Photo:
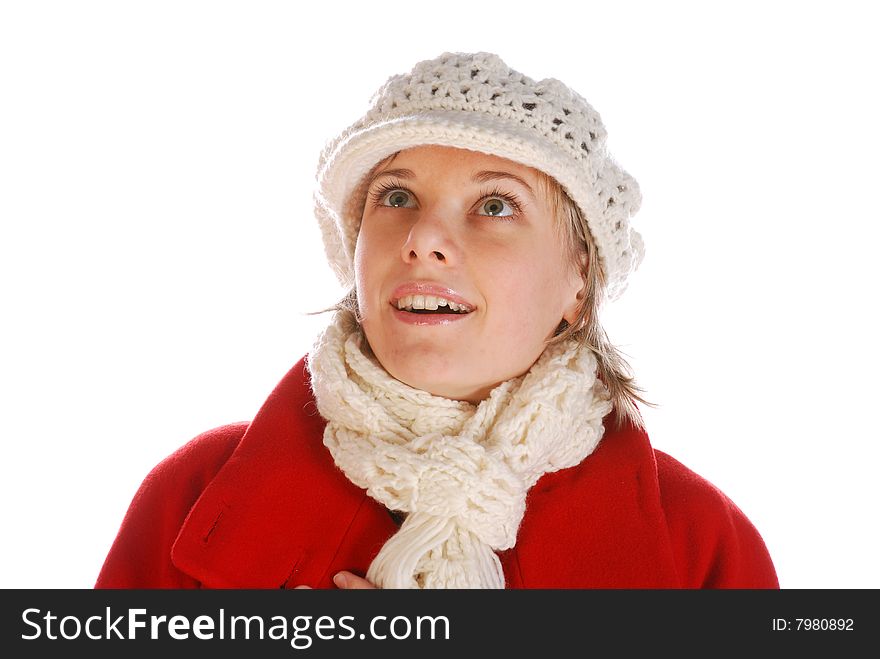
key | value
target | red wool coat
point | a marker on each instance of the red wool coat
(262, 505)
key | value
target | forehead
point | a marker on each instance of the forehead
(446, 157)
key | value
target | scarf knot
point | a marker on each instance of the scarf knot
(462, 471)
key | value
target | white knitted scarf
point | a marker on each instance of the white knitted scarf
(460, 470)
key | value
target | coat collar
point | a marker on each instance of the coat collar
(279, 509)
(280, 477)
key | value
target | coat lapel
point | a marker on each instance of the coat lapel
(278, 511)
(600, 524)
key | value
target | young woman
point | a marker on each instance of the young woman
(463, 421)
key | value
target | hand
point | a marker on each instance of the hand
(347, 581)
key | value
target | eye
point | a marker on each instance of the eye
(495, 206)
(391, 195)
(495, 203)
(397, 198)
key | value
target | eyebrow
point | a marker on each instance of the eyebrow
(483, 176)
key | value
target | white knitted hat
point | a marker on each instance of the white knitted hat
(475, 101)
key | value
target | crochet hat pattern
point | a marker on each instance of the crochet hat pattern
(475, 101)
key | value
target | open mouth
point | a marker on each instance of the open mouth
(431, 305)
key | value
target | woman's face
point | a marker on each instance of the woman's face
(442, 222)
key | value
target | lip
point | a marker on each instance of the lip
(428, 288)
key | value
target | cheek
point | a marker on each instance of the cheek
(361, 256)
(367, 264)
(528, 295)
(519, 299)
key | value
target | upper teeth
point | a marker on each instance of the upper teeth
(429, 302)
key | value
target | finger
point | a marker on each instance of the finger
(303, 586)
(348, 581)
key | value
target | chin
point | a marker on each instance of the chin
(430, 375)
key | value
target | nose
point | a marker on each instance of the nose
(428, 241)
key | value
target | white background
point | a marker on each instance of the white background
(158, 250)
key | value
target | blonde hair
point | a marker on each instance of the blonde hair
(586, 329)
(571, 226)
